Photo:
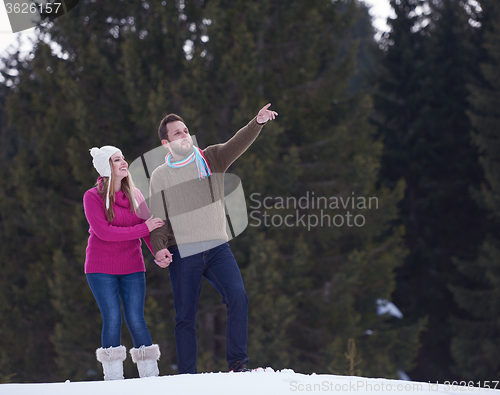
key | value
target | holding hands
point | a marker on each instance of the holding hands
(163, 258)
(265, 115)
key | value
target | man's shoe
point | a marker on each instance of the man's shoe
(240, 366)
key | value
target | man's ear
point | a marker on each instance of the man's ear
(165, 143)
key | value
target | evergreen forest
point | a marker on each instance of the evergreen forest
(386, 141)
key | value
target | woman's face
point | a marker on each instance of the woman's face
(119, 166)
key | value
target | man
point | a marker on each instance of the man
(188, 193)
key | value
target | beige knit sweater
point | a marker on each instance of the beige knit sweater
(193, 209)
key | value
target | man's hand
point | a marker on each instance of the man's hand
(265, 115)
(163, 258)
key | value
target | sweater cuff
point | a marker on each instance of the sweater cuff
(254, 120)
(146, 229)
(157, 244)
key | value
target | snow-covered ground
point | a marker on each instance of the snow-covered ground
(260, 382)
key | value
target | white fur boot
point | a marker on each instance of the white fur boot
(146, 359)
(112, 361)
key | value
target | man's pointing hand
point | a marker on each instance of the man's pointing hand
(265, 115)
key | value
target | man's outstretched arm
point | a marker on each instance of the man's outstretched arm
(225, 154)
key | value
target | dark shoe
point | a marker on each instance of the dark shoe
(240, 366)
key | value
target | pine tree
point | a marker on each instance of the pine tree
(33, 213)
(475, 344)
(12, 278)
(422, 104)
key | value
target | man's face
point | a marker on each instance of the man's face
(180, 142)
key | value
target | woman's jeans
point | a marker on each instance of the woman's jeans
(219, 267)
(129, 289)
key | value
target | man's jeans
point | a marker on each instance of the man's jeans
(130, 289)
(219, 267)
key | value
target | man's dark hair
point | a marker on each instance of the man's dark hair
(162, 130)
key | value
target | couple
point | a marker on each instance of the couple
(114, 264)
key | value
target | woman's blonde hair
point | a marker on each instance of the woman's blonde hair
(127, 187)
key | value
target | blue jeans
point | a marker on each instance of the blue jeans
(129, 289)
(219, 267)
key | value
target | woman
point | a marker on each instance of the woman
(114, 264)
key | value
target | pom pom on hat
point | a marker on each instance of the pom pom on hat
(101, 163)
(101, 159)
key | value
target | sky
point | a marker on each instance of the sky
(8, 40)
(379, 9)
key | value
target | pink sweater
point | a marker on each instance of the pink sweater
(115, 248)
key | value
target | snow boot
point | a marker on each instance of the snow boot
(146, 358)
(112, 361)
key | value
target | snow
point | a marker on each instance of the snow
(386, 307)
(258, 382)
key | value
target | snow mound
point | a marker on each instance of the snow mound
(260, 381)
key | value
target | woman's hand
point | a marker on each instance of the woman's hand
(154, 223)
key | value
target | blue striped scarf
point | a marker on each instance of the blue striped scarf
(197, 155)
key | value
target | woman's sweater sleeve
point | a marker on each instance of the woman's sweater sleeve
(93, 207)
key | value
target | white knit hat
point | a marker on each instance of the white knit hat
(101, 163)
